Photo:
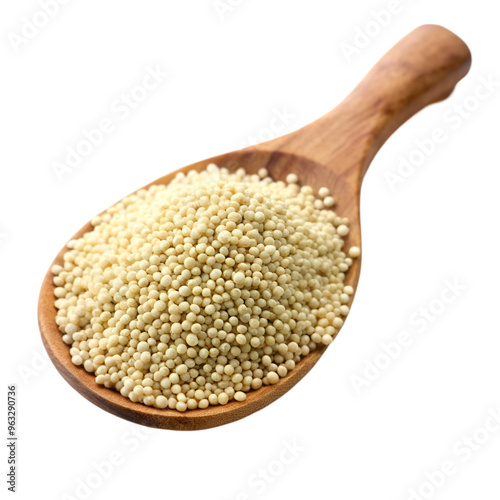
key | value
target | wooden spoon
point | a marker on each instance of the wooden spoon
(334, 151)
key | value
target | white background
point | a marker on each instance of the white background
(229, 71)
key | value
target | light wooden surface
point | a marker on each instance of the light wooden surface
(333, 151)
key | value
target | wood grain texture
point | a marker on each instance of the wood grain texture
(334, 151)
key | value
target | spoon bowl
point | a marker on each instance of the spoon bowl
(334, 151)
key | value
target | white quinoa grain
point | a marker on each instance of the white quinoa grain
(329, 201)
(323, 192)
(342, 230)
(354, 252)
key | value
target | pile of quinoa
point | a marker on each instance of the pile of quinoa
(194, 293)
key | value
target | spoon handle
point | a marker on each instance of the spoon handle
(421, 69)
